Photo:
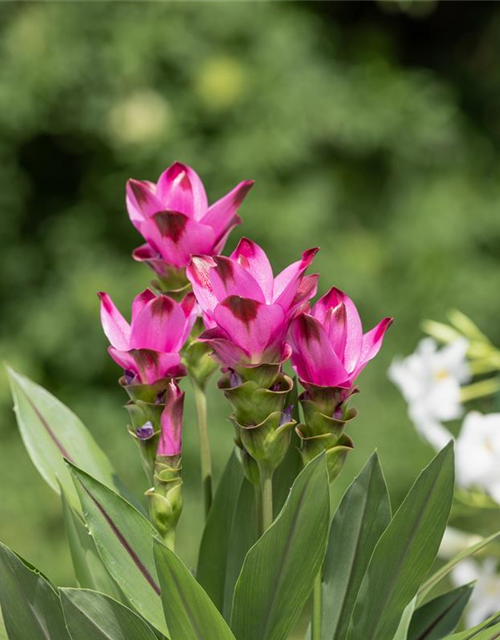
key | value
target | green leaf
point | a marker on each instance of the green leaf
(404, 623)
(3, 631)
(189, 612)
(95, 616)
(440, 616)
(443, 571)
(51, 432)
(286, 473)
(362, 517)
(212, 562)
(244, 535)
(124, 540)
(487, 630)
(30, 605)
(405, 552)
(279, 571)
(89, 569)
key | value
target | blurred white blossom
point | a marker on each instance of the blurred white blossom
(478, 453)
(454, 541)
(485, 598)
(429, 380)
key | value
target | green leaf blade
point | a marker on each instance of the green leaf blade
(212, 562)
(189, 612)
(279, 571)
(94, 616)
(362, 516)
(405, 552)
(30, 606)
(52, 433)
(440, 617)
(89, 569)
(124, 540)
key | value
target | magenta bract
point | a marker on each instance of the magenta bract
(246, 309)
(329, 348)
(148, 348)
(171, 421)
(174, 218)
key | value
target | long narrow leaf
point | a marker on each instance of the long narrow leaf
(360, 520)
(52, 433)
(212, 562)
(487, 630)
(244, 535)
(94, 616)
(404, 623)
(405, 552)
(31, 607)
(440, 616)
(279, 571)
(124, 540)
(89, 569)
(190, 613)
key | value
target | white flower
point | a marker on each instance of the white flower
(485, 598)
(430, 380)
(478, 453)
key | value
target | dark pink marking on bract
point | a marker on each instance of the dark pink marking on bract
(309, 328)
(244, 309)
(162, 306)
(140, 191)
(171, 224)
(224, 268)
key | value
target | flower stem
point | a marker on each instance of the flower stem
(205, 456)
(317, 604)
(266, 499)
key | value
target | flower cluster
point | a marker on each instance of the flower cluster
(252, 323)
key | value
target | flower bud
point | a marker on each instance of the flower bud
(166, 496)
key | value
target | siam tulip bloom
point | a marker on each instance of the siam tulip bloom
(430, 380)
(329, 348)
(174, 218)
(148, 348)
(486, 595)
(246, 309)
(478, 453)
(171, 421)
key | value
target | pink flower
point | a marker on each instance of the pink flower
(329, 348)
(171, 421)
(148, 348)
(174, 218)
(246, 309)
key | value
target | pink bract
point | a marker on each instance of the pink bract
(174, 218)
(329, 347)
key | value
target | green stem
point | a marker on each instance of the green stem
(205, 456)
(316, 616)
(266, 501)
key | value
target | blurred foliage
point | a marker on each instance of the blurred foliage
(371, 130)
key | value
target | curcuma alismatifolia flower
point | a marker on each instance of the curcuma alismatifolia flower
(148, 348)
(246, 309)
(247, 312)
(329, 352)
(174, 218)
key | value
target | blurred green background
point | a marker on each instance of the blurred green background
(371, 130)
